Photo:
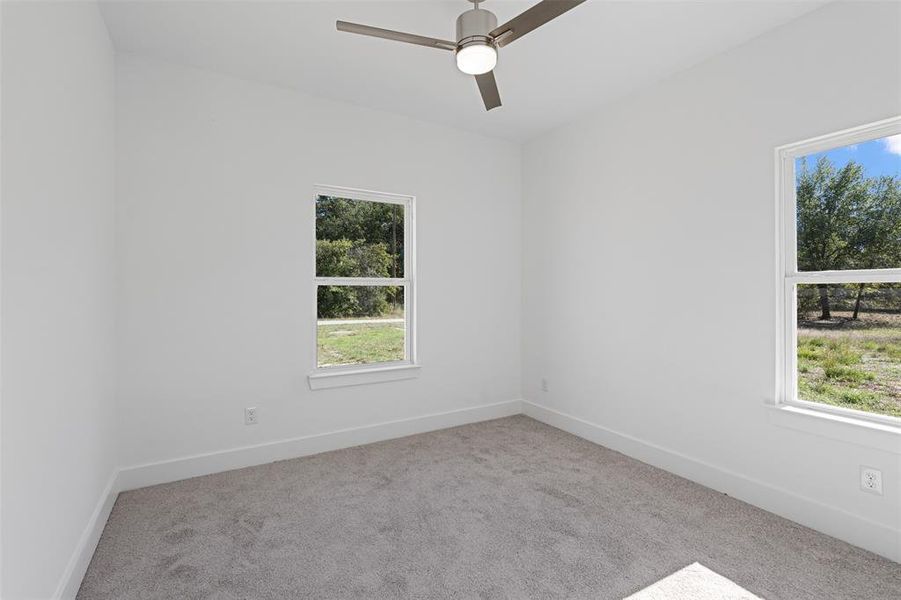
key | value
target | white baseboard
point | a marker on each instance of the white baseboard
(87, 543)
(248, 456)
(854, 529)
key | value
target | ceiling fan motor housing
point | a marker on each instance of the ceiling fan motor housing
(473, 27)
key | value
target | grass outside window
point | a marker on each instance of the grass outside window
(852, 361)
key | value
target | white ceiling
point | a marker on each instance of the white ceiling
(599, 51)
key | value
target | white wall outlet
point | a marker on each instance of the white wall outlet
(871, 480)
(250, 416)
(544, 386)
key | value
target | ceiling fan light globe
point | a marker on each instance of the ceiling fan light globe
(476, 59)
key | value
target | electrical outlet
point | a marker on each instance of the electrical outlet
(871, 480)
(250, 416)
(544, 387)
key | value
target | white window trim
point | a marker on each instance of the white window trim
(347, 375)
(787, 276)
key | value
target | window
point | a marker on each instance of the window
(839, 278)
(364, 287)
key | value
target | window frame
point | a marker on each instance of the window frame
(788, 276)
(342, 375)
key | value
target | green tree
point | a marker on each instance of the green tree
(372, 222)
(846, 221)
(367, 225)
(347, 258)
(879, 236)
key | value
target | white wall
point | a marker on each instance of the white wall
(216, 178)
(649, 257)
(57, 287)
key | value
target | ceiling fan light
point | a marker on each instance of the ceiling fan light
(476, 59)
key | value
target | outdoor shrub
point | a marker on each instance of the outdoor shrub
(842, 372)
(347, 258)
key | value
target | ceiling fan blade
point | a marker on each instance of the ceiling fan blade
(397, 36)
(532, 18)
(488, 88)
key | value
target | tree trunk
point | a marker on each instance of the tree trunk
(824, 302)
(857, 302)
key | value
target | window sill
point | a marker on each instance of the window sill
(839, 427)
(362, 376)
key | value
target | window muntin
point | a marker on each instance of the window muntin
(364, 283)
(839, 312)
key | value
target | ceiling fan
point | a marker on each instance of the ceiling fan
(478, 38)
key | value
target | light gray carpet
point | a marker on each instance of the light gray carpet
(504, 509)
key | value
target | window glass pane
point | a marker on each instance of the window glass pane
(849, 346)
(359, 325)
(357, 238)
(849, 207)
